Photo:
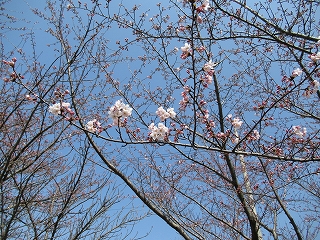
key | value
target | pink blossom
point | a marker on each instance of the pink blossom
(199, 19)
(235, 140)
(205, 5)
(315, 85)
(28, 97)
(201, 49)
(184, 55)
(311, 89)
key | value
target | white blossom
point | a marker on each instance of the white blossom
(205, 5)
(158, 133)
(299, 131)
(55, 109)
(93, 125)
(315, 57)
(315, 85)
(186, 47)
(296, 72)
(119, 110)
(256, 135)
(236, 123)
(163, 114)
(209, 66)
(171, 112)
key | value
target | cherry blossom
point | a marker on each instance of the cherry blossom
(28, 97)
(206, 79)
(163, 114)
(209, 66)
(57, 108)
(186, 47)
(158, 133)
(256, 135)
(300, 132)
(311, 89)
(199, 19)
(315, 85)
(296, 72)
(93, 126)
(186, 51)
(119, 110)
(315, 57)
(171, 112)
(236, 123)
(10, 63)
(235, 140)
(185, 98)
(204, 6)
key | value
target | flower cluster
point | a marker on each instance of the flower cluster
(94, 126)
(236, 123)
(185, 97)
(204, 6)
(299, 131)
(315, 57)
(311, 89)
(253, 136)
(206, 80)
(186, 51)
(163, 114)
(186, 47)
(208, 68)
(158, 133)
(296, 72)
(13, 76)
(10, 63)
(119, 110)
(58, 108)
(256, 135)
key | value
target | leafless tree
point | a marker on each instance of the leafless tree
(208, 110)
(51, 185)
